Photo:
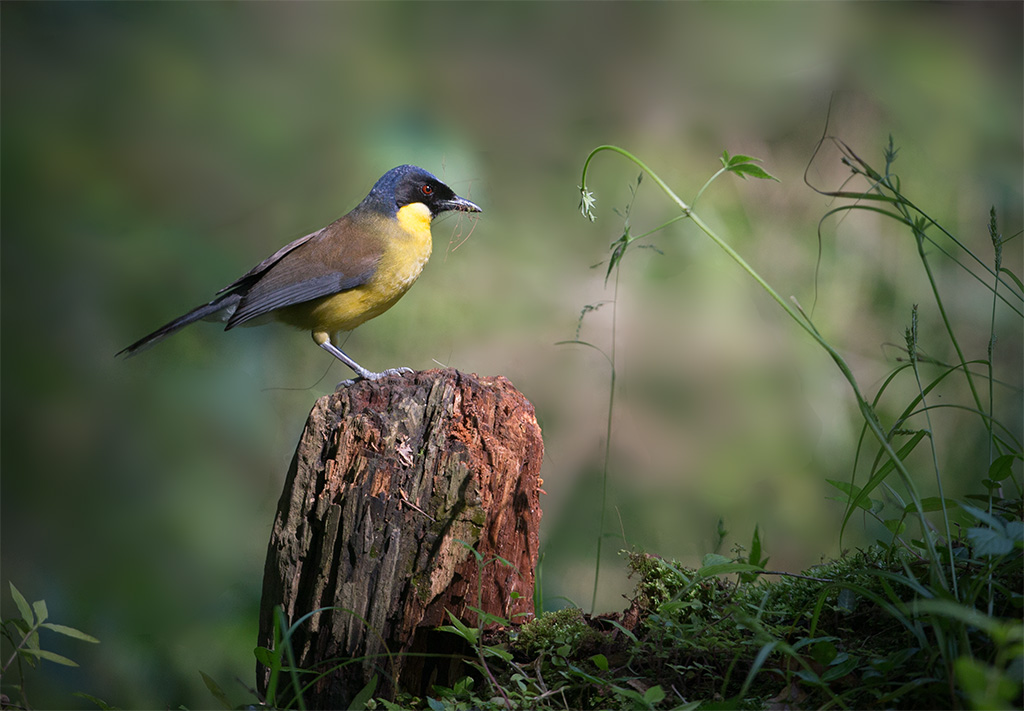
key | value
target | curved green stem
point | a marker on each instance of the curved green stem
(707, 183)
(867, 411)
(640, 164)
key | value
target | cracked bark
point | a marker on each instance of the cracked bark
(390, 482)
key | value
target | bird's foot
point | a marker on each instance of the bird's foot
(364, 374)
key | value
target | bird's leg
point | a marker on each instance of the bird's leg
(324, 341)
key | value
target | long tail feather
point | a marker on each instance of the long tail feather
(225, 303)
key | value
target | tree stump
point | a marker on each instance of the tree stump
(391, 482)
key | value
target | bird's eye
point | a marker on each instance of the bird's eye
(427, 189)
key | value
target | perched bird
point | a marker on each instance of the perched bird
(333, 280)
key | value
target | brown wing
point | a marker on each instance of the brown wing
(341, 256)
(270, 261)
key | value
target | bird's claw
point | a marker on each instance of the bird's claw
(370, 375)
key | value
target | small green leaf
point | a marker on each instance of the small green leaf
(623, 630)
(754, 171)
(32, 639)
(486, 618)
(1002, 467)
(841, 668)
(755, 556)
(469, 635)
(1020, 285)
(39, 607)
(989, 541)
(805, 641)
(721, 530)
(729, 568)
(459, 628)
(70, 632)
(57, 658)
(360, 700)
(930, 503)
(824, 652)
(215, 689)
(96, 701)
(895, 525)
(810, 677)
(1015, 531)
(20, 625)
(847, 601)
(984, 517)
(600, 661)
(618, 248)
(740, 159)
(576, 671)
(743, 166)
(502, 654)
(471, 548)
(714, 559)
(634, 696)
(23, 606)
(265, 657)
(463, 686)
(655, 695)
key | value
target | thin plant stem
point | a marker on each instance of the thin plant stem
(607, 443)
(919, 234)
(867, 412)
(912, 352)
(707, 183)
(995, 274)
(997, 247)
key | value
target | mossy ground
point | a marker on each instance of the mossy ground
(840, 635)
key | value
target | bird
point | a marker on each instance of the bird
(341, 276)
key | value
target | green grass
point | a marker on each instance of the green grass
(857, 632)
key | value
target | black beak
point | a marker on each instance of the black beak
(458, 204)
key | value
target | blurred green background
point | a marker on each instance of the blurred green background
(151, 153)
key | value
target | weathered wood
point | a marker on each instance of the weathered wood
(387, 479)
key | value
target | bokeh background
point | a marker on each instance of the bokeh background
(151, 153)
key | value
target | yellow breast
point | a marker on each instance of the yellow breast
(407, 249)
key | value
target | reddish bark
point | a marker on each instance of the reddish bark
(388, 477)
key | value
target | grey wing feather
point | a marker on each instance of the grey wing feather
(264, 297)
(217, 308)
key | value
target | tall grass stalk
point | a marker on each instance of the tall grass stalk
(800, 317)
(912, 344)
(607, 445)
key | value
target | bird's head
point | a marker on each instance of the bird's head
(407, 185)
